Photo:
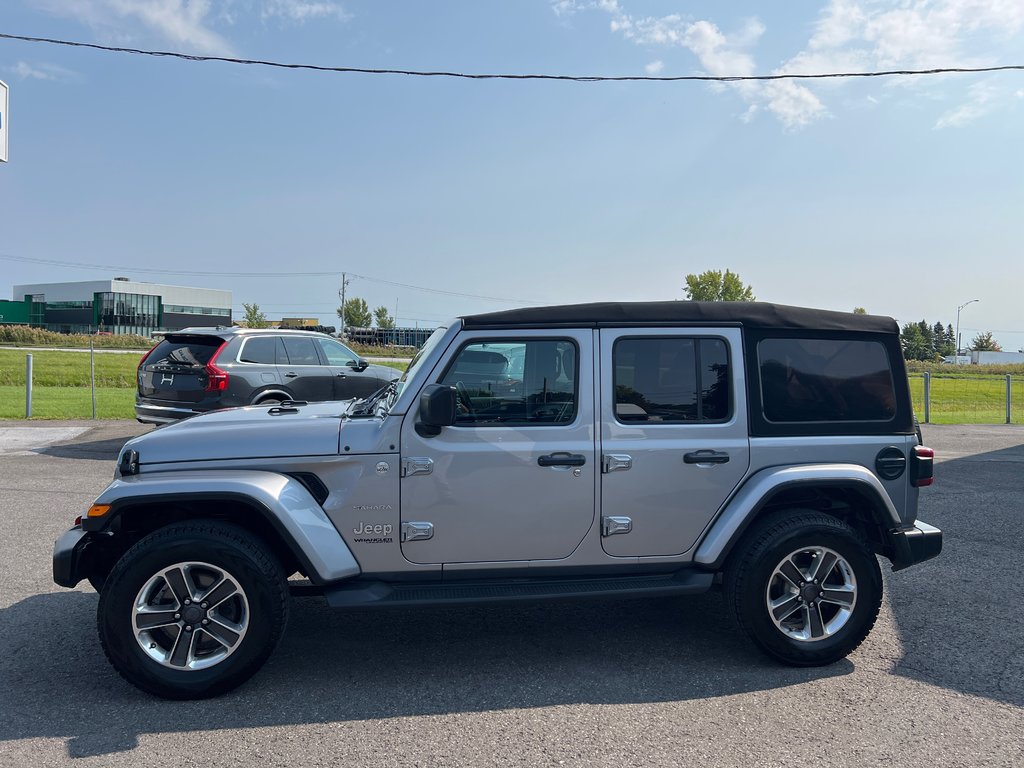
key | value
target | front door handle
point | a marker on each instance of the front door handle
(706, 457)
(562, 459)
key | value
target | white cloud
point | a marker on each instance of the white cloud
(848, 36)
(27, 71)
(188, 24)
(181, 22)
(303, 10)
(655, 67)
(982, 99)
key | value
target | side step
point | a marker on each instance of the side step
(367, 594)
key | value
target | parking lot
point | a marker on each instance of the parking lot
(939, 682)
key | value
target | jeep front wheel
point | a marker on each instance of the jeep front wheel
(805, 587)
(193, 610)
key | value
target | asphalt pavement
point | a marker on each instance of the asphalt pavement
(939, 682)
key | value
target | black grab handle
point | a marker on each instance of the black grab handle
(562, 459)
(706, 457)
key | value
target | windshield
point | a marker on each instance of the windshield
(416, 363)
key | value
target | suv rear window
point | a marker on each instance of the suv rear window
(671, 380)
(191, 351)
(809, 380)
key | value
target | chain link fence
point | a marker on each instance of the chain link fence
(66, 385)
(967, 399)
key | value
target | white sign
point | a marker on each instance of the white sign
(3, 122)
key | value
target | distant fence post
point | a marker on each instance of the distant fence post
(927, 397)
(92, 375)
(28, 386)
(1007, 398)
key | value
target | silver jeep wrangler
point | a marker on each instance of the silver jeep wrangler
(601, 450)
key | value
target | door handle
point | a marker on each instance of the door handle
(706, 457)
(562, 459)
(290, 375)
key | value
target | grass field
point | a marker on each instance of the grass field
(60, 384)
(61, 389)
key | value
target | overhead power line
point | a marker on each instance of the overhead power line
(515, 76)
(123, 269)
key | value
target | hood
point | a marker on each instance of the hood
(245, 433)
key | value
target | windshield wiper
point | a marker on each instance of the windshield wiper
(367, 406)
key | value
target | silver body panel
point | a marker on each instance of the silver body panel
(295, 510)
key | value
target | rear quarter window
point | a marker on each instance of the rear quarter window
(825, 380)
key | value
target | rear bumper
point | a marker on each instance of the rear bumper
(913, 546)
(71, 557)
(162, 414)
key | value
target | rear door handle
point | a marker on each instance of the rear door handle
(562, 459)
(706, 457)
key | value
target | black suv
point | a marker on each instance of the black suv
(203, 369)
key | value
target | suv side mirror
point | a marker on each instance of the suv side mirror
(358, 365)
(437, 409)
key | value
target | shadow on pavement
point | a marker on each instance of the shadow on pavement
(99, 450)
(334, 666)
(959, 616)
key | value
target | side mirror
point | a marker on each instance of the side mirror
(358, 365)
(437, 409)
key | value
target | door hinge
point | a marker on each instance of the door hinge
(417, 531)
(616, 462)
(417, 465)
(615, 524)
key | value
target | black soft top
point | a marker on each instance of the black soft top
(750, 314)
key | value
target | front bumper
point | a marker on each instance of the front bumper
(72, 557)
(915, 545)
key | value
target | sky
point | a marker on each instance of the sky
(901, 195)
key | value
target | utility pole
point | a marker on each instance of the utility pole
(344, 282)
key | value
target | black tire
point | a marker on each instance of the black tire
(259, 605)
(751, 580)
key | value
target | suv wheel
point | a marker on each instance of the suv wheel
(805, 587)
(193, 610)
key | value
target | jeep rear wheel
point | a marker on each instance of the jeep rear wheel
(805, 587)
(193, 610)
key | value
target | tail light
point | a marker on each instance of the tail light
(151, 350)
(922, 467)
(216, 378)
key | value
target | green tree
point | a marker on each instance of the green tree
(859, 311)
(355, 314)
(915, 345)
(254, 318)
(984, 342)
(943, 345)
(714, 286)
(383, 318)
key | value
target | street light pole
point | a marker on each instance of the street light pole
(956, 355)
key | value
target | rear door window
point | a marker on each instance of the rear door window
(821, 380)
(301, 350)
(671, 380)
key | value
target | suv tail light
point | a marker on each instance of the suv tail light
(217, 378)
(922, 467)
(143, 360)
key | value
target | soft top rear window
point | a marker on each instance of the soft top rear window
(825, 380)
(191, 351)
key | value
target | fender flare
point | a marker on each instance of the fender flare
(745, 506)
(282, 501)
